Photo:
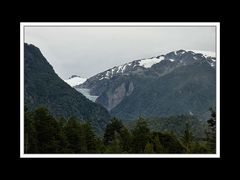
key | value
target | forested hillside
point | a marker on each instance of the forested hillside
(43, 87)
(45, 134)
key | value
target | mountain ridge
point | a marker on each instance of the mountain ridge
(149, 62)
(118, 86)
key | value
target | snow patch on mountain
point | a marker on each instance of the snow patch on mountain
(75, 80)
(204, 53)
(212, 64)
(147, 63)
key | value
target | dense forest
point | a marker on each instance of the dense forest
(43, 133)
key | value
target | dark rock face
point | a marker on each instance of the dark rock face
(43, 87)
(73, 76)
(177, 83)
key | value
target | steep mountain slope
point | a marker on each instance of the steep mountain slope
(188, 89)
(43, 87)
(180, 82)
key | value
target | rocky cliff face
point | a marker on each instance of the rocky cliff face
(111, 98)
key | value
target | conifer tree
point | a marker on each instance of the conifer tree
(158, 147)
(114, 126)
(73, 134)
(187, 139)
(61, 136)
(114, 147)
(211, 133)
(148, 148)
(141, 135)
(125, 140)
(89, 138)
(30, 139)
(46, 131)
(100, 148)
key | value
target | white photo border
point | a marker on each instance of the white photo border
(122, 24)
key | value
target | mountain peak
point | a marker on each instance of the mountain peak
(75, 80)
(204, 53)
(179, 57)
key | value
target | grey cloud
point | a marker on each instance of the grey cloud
(86, 51)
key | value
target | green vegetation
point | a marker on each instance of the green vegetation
(43, 133)
(43, 87)
(175, 124)
(211, 132)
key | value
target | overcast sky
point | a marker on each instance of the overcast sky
(86, 51)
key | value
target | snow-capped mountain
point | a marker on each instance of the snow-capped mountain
(176, 57)
(75, 80)
(178, 82)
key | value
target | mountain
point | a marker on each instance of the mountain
(180, 82)
(75, 80)
(43, 87)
